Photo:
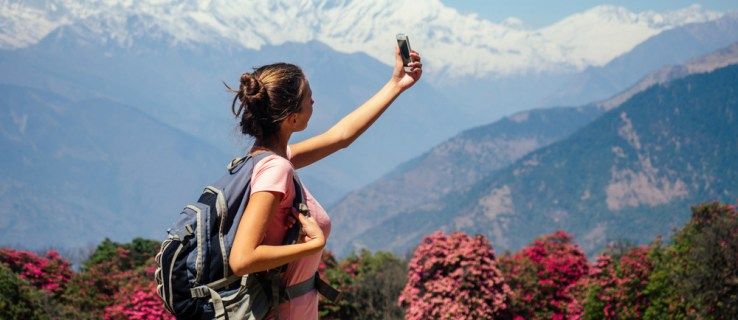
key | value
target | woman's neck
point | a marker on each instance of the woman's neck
(277, 145)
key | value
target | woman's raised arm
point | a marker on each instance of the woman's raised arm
(350, 127)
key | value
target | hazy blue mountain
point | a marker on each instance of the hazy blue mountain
(181, 86)
(671, 47)
(456, 164)
(450, 167)
(74, 172)
(631, 174)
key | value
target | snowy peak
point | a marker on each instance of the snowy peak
(453, 44)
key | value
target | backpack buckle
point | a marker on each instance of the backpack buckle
(303, 209)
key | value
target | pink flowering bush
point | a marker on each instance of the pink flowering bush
(117, 282)
(617, 286)
(548, 278)
(454, 277)
(49, 273)
(137, 302)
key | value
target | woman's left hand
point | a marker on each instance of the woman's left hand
(406, 79)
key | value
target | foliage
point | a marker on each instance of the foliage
(548, 278)
(18, 298)
(49, 273)
(116, 279)
(139, 252)
(137, 298)
(617, 284)
(449, 277)
(454, 276)
(370, 284)
(697, 275)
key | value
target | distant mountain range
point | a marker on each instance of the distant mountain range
(168, 58)
(671, 47)
(77, 171)
(457, 45)
(163, 61)
(466, 183)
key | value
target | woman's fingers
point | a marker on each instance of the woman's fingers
(414, 55)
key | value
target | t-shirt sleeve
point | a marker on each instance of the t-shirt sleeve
(273, 173)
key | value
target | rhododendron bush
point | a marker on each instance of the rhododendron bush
(450, 276)
(49, 273)
(548, 278)
(454, 277)
(617, 285)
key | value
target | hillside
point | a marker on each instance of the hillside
(74, 172)
(452, 166)
(626, 176)
(182, 87)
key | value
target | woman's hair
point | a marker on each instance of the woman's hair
(266, 97)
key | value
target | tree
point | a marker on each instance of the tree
(617, 285)
(454, 276)
(18, 298)
(548, 278)
(697, 275)
(370, 285)
(49, 273)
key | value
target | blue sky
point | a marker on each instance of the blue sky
(539, 13)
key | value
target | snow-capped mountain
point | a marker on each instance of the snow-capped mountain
(454, 44)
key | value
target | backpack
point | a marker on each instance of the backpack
(193, 276)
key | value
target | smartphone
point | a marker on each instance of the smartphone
(404, 43)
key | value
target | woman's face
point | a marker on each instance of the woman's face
(306, 109)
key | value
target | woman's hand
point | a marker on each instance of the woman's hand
(406, 79)
(311, 232)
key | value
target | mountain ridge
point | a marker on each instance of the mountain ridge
(356, 26)
(639, 167)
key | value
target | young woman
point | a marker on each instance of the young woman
(276, 101)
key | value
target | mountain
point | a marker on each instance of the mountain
(181, 86)
(701, 64)
(450, 167)
(74, 172)
(456, 44)
(629, 175)
(671, 47)
(456, 164)
(167, 58)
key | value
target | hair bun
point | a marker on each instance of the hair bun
(251, 87)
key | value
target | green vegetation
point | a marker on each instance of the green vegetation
(694, 276)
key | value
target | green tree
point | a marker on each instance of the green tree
(697, 275)
(19, 299)
(370, 285)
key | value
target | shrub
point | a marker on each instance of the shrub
(370, 285)
(617, 285)
(18, 298)
(49, 273)
(697, 275)
(548, 278)
(454, 276)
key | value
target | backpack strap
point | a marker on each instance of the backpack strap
(315, 282)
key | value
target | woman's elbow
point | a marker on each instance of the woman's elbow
(240, 264)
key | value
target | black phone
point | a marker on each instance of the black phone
(404, 43)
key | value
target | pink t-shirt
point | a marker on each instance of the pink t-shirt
(274, 173)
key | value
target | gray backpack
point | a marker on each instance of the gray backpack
(193, 277)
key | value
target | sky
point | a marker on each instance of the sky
(540, 13)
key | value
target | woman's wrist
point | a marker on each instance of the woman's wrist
(393, 85)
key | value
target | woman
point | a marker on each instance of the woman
(276, 101)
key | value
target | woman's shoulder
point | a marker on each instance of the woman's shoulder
(273, 162)
(272, 173)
